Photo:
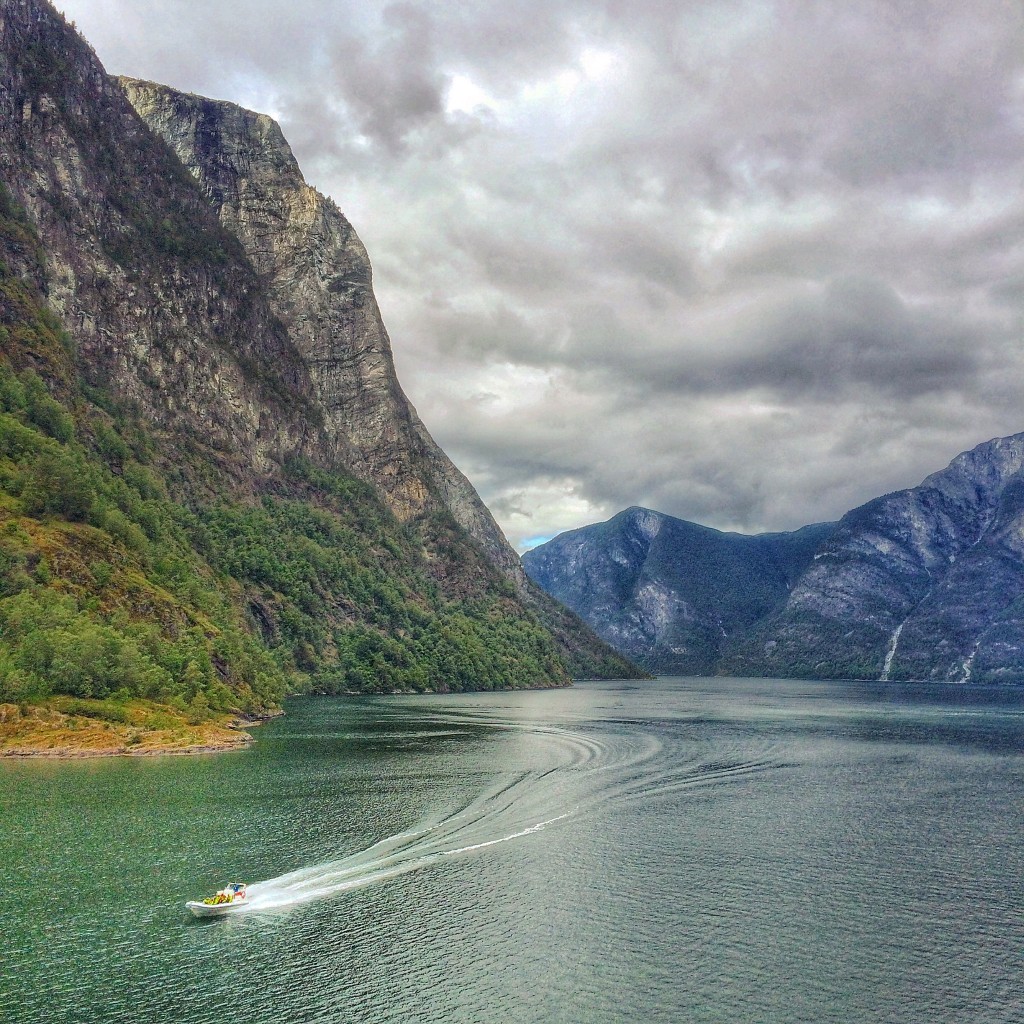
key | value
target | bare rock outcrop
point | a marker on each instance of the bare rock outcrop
(157, 296)
(318, 278)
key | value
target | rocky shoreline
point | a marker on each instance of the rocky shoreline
(50, 732)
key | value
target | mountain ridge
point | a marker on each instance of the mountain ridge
(922, 583)
(942, 563)
(652, 590)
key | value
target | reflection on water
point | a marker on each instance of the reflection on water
(685, 850)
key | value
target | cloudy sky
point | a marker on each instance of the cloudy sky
(747, 263)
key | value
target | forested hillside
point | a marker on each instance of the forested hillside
(185, 515)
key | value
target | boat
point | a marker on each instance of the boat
(232, 898)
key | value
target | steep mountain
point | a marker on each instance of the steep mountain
(925, 583)
(317, 278)
(668, 593)
(212, 487)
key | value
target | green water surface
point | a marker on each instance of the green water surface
(683, 850)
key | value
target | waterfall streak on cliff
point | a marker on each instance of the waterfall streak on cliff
(891, 653)
(968, 665)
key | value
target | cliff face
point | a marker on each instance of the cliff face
(247, 319)
(158, 297)
(318, 280)
(670, 594)
(208, 469)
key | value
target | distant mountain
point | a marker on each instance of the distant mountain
(668, 593)
(924, 583)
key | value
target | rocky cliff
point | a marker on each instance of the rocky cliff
(158, 297)
(249, 304)
(212, 488)
(925, 583)
(670, 594)
(317, 277)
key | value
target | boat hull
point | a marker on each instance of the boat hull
(200, 909)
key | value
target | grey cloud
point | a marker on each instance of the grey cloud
(392, 84)
(497, 333)
(846, 335)
(640, 249)
(508, 42)
(828, 95)
(856, 333)
(524, 263)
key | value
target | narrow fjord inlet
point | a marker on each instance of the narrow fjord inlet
(686, 850)
(706, 708)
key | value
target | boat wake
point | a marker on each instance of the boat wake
(589, 772)
(396, 855)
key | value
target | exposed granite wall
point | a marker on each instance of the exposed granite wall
(318, 279)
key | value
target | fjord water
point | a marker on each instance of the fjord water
(682, 850)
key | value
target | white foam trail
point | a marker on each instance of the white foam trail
(353, 873)
(411, 850)
(504, 839)
(517, 807)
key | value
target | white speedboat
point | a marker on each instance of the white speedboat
(229, 900)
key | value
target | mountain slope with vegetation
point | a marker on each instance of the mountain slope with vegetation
(182, 517)
(109, 584)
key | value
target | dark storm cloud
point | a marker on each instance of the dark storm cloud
(391, 84)
(852, 334)
(748, 262)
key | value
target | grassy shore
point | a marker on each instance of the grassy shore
(71, 727)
